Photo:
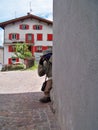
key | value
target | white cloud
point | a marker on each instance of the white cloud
(16, 8)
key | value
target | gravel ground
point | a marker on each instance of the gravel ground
(20, 81)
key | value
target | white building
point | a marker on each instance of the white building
(1, 55)
(36, 32)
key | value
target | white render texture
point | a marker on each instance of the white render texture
(14, 28)
(75, 64)
(1, 55)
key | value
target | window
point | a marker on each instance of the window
(38, 48)
(29, 38)
(12, 60)
(37, 27)
(24, 26)
(11, 48)
(13, 36)
(39, 37)
(49, 37)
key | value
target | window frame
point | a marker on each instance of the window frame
(24, 26)
(14, 36)
(37, 27)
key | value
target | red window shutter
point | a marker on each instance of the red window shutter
(32, 49)
(10, 48)
(17, 59)
(35, 48)
(39, 37)
(34, 27)
(10, 36)
(17, 36)
(49, 37)
(20, 26)
(9, 61)
(26, 38)
(44, 48)
(41, 27)
(32, 38)
(27, 26)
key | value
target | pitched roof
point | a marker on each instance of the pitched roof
(3, 24)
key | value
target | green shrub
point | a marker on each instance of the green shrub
(16, 67)
(13, 67)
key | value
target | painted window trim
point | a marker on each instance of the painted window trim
(39, 48)
(11, 62)
(14, 36)
(37, 27)
(11, 48)
(24, 26)
(27, 36)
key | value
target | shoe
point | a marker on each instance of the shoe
(45, 100)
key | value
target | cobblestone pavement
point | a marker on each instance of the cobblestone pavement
(20, 108)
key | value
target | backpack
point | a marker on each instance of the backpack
(42, 70)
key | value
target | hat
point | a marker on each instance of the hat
(47, 51)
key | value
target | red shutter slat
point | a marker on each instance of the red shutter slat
(10, 36)
(27, 26)
(9, 61)
(9, 48)
(17, 59)
(39, 37)
(26, 38)
(17, 36)
(35, 48)
(34, 27)
(49, 37)
(44, 48)
(32, 38)
(32, 49)
(20, 26)
(41, 27)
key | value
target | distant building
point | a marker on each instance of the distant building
(1, 54)
(36, 32)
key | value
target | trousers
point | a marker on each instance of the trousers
(48, 88)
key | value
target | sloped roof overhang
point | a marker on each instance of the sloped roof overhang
(29, 16)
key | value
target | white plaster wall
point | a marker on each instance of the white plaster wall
(7, 54)
(14, 28)
(1, 55)
(75, 64)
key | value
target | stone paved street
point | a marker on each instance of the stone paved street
(20, 108)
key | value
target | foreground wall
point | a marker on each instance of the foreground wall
(75, 63)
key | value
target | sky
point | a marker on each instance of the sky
(11, 9)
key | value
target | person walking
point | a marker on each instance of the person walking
(45, 69)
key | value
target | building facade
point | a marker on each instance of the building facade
(36, 32)
(1, 54)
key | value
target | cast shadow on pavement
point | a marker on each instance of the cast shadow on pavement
(23, 111)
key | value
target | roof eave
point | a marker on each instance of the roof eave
(3, 24)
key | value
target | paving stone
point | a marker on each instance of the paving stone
(20, 108)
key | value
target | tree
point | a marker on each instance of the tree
(22, 51)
